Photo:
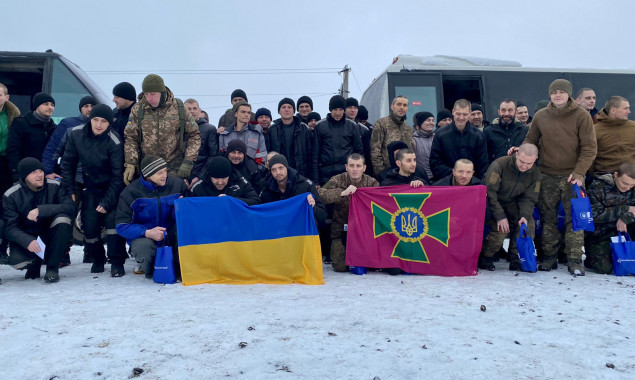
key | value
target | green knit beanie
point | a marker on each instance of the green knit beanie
(153, 83)
(561, 84)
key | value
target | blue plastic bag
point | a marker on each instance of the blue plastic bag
(581, 214)
(562, 217)
(526, 250)
(623, 253)
(163, 263)
(538, 220)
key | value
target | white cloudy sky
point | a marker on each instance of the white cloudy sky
(158, 36)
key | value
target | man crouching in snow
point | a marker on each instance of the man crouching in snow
(146, 212)
(32, 208)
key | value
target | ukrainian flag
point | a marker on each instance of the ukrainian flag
(224, 241)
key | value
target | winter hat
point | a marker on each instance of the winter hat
(152, 164)
(443, 114)
(362, 113)
(561, 84)
(477, 107)
(125, 90)
(422, 116)
(313, 116)
(102, 110)
(87, 100)
(219, 167)
(238, 93)
(337, 101)
(520, 104)
(263, 112)
(238, 145)
(352, 102)
(540, 105)
(286, 101)
(27, 166)
(238, 104)
(305, 99)
(153, 83)
(278, 159)
(41, 98)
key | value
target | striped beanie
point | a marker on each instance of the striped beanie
(152, 164)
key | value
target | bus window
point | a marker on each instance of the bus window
(455, 88)
(420, 99)
(67, 91)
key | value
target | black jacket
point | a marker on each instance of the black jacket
(449, 181)
(450, 144)
(120, 119)
(394, 178)
(296, 185)
(237, 187)
(299, 156)
(27, 138)
(102, 161)
(19, 200)
(209, 146)
(252, 172)
(333, 142)
(502, 137)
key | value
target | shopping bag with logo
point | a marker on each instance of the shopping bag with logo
(163, 263)
(623, 252)
(526, 250)
(581, 215)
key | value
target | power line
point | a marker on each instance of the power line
(222, 71)
(354, 77)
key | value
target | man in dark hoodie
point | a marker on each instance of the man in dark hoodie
(124, 97)
(292, 138)
(244, 165)
(29, 134)
(393, 148)
(404, 174)
(393, 127)
(220, 180)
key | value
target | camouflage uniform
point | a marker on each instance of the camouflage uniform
(159, 134)
(608, 205)
(512, 195)
(331, 193)
(385, 131)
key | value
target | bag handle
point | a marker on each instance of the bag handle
(577, 192)
(524, 232)
(627, 237)
(163, 242)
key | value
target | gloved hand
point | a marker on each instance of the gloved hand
(185, 169)
(128, 174)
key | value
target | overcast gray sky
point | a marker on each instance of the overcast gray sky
(112, 38)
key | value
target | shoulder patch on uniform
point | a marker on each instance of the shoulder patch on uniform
(52, 181)
(77, 127)
(537, 187)
(12, 189)
(114, 138)
(493, 178)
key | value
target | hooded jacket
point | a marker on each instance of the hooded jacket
(298, 155)
(450, 144)
(237, 187)
(251, 171)
(615, 143)
(28, 137)
(392, 147)
(394, 178)
(565, 138)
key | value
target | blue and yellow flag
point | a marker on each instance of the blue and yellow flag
(224, 241)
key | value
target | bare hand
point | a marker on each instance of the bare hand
(220, 130)
(222, 195)
(33, 214)
(503, 226)
(311, 200)
(101, 209)
(53, 176)
(155, 233)
(522, 220)
(631, 209)
(73, 197)
(416, 183)
(621, 226)
(34, 247)
(512, 150)
(349, 190)
(194, 180)
(574, 181)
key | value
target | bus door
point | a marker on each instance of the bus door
(423, 90)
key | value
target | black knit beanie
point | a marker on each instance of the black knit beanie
(238, 145)
(337, 101)
(219, 167)
(41, 98)
(313, 116)
(27, 166)
(278, 159)
(87, 100)
(422, 116)
(476, 107)
(102, 110)
(352, 102)
(263, 112)
(362, 113)
(305, 99)
(238, 93)
(443, 114)
(153, 83)
(286, 101)
(152, 164)
(125, 90)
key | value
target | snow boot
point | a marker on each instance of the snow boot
(51, 275)
(97, 267)
(486, 263)
(117, 270)
(576, 267)
(33, 271)
(514, 265)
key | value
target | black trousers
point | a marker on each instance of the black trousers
(93, 222)
(55, 238)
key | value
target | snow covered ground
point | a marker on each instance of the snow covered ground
(534, 326)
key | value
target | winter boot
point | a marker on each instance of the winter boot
(514, 265)
(97, 267)
(576, 267)
(88, 258)
(51, 275)
(486, 263)
(393, 271)
(33, 271)
(117, 270)
(66, 259)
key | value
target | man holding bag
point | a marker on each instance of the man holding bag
(613, 204)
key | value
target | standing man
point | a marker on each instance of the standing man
(160, 126)
(30, 133)
(422, 140)
(263, 118)
(292, 138)
(124, 97)
(458, 140)
(305, 107)
(393, 127)
(313, 119)
(615, 135)
(566, 137)
(444, 117)
(585, 98)
(337, 191)
(352, 111)
(209, 139)
(513, 186)
(477, 117)
(505, 131)
(8, 112)
(99, 150)
(246, 132)
(522, 113)
(229, 117)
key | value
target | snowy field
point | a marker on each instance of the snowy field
(534, 326)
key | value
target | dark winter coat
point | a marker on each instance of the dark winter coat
(120, 119)
(19, 200)
(28, 137)
(392, 147)
(450, 144)
(299, 155)
(237, 187)
(333, 142)
(608, 204)
(49, 159)
(102, 160)
(449, 181)
(209, 146)
(252, 172)
(394, 178)
(296, 185)
(143, 206)
(502, 137)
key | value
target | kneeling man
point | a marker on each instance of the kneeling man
(219, 180)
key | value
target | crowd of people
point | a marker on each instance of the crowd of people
(116, 173)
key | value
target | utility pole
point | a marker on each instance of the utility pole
(344, 87)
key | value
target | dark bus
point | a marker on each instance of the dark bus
(25, 74)
(434, 83)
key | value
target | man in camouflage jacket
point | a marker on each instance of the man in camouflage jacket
(159, 131)
(393, 127)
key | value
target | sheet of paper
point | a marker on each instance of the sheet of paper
(42, 247)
